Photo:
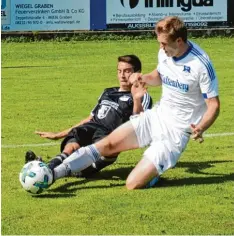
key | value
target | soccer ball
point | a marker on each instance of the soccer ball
(35, 176)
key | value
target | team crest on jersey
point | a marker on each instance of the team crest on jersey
(124, 98)
(103, 111)
(187, 69)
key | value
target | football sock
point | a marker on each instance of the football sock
(152, 182)
(57, 160)
(96, 166)
(77, 161)
(61, 171)
(92, 150)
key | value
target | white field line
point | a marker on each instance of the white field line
(57, 143)
(29, 145)
(218, 134)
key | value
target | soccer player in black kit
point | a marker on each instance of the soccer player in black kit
(114, 107)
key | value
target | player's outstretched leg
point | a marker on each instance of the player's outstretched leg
(90, 171)
(57, 160)
(76, 162)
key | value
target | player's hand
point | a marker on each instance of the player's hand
(197, 133)
(135, 77)
(49, 135)
(138, 89)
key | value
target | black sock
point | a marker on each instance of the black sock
(56, 161)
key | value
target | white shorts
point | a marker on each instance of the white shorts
(166, 143)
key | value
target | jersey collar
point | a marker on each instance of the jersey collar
(185, 54)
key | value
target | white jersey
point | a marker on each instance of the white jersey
(186, 82)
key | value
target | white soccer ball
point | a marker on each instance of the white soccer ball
(35, 176)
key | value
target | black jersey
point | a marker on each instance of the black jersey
(115, 107)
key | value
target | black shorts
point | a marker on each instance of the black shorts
(85, 134)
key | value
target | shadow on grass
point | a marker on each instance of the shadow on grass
(59, 195)
(198, 167)
(69, 189)
(195, 181)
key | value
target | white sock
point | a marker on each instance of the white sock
(61, 171)
(77, 161)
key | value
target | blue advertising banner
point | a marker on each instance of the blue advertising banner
(55, 15)
(139, 14)
(97, 14)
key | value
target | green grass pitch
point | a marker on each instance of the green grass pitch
(50, 86)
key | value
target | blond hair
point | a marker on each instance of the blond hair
(173, 26)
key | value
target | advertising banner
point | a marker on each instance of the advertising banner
(5, 12)
(135, 14)
(45, 15)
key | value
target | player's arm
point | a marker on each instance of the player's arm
(64, 133)
(153, 78)
(213, 108)
(209, 88)
(141, 99)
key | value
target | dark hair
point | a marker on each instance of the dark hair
(173, 26)
(132, 60)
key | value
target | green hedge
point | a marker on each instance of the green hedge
(103, 35)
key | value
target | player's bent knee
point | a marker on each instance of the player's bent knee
(141, 175)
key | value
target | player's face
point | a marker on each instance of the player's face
(124, 71)
(170, 47)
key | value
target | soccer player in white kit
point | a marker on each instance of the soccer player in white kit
(188, 106)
